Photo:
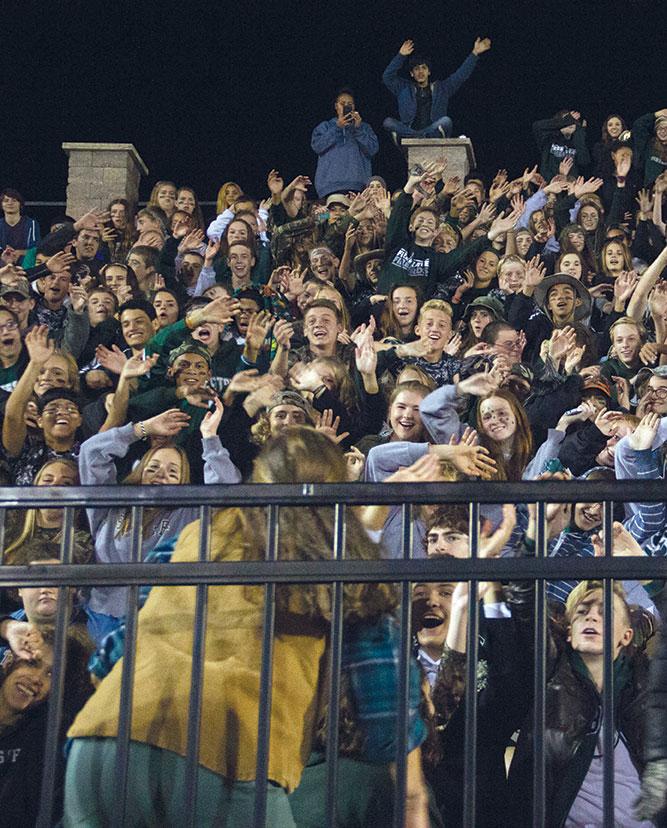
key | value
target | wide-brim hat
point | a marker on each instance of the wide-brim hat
(542, 291)
(369, 255)
(490, 303)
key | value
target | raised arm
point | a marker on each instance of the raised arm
(637, 304)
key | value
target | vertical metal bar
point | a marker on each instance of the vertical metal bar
(127, 678)
(608, 727)
(3, 515)
(402, 719)
(52, 742)
(197, 675)
(470, 760)
(264, 723)
(336, 646)
(539, 676)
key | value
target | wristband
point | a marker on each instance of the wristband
(142, 429)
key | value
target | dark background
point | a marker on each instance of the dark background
(219, 91)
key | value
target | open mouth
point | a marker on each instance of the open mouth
(591, 517)
(590, 631)
(431, 620)
(62, 421)
(7, 341)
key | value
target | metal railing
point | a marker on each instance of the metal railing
(336, 572)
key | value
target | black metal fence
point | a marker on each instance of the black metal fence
(335, 572)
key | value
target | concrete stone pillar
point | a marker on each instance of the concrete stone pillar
(100, 172)
(458, 152)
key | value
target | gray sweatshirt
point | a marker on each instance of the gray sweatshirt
(97, 468)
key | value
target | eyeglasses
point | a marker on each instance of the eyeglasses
(54, 410)
(9, 326)
(659, 393)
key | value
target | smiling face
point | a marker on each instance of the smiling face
(509, 343)
(435, 328)
(614, 126)
(166, 308)
(55, 473)
(54, 373)
(323, 264)
(586, 631)
(404, 305)
(523, 242)
(59, 420)
(55, 287)
(485, 268)
(28, 684)
(589, 218)
(570, 263)
(190, 371)
(283, 416)
(321, 327)
(404, 417)
(163, 469)
(137, 327)
(241, 262)
(497, 419)
(424, 225)
(436, 601)
(588, 516)
(654, 397)
(627, 343)
(115, 277)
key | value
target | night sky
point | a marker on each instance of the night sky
(228, 90)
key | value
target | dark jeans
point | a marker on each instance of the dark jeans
(431, 131)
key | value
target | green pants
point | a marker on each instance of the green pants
(156, 791)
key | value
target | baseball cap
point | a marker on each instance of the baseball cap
(337, 198)
(20, 287)
(597, 384)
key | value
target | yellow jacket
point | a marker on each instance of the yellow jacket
(230, 704)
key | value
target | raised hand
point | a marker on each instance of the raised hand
(294, 286)
(591, 185)
(209, 425)
(535, 272)
(487, 213)
(24, 639)
(283, 331)
(624, 286)
(493, 543)
(503, 223)
(407, 48)
(566, 165)
(657, 302)
(452, 347)
(221, 311)
(113, 360)
(212, 249)
(622, 163)
(583, 412)
(622, 387)
(482, 44)
(60, 262)
(275, 183)
(608, 422)
(480, 384)
(92, 220)
(622, 543)
(355, 461)
(649, 353)
(193, 240)
(366, 357)
(573, 359)
(328, 426)
(473, 461)
(451, 185)
(167, 424)
(562, 340)
(40, 348)
(137, 366)
(469, 283)
(258, 329)
(643, 436)
(78, 297)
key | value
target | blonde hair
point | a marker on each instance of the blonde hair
(72, 369)
(510, 258)
(584, 590)
(627, 320)
(221, 199)
(30, 521)
(134, 479)
(436, 305)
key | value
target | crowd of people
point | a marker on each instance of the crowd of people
(505, 329)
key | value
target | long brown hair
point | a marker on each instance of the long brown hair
(522, 442)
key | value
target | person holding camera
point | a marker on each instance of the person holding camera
(344, 146)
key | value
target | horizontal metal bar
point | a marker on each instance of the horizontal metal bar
(307, 494)
(328, 571)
